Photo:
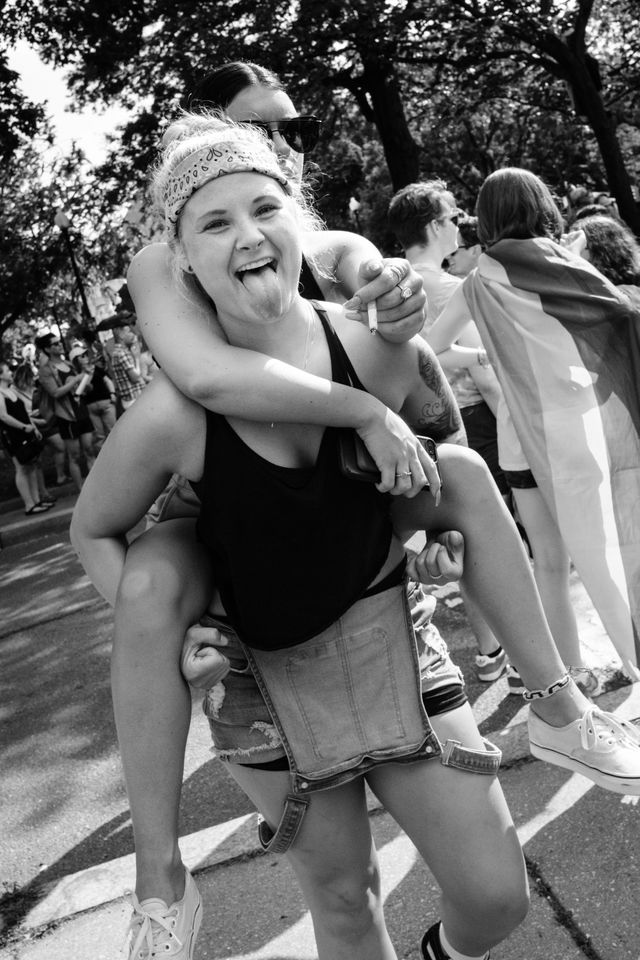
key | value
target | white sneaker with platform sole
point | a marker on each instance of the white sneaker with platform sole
(597, 745)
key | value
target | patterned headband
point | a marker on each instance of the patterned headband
(243, 154)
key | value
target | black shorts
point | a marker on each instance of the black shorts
(482, 436)
(520, 479)
(72, 429)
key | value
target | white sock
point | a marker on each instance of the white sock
(455, 954)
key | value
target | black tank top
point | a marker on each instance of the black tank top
(308, 285)
(292, 548)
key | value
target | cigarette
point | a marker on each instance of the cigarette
(372, 314)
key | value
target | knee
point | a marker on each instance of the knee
(499, 906)
(348, 905)
(466, 478)
(150, 586)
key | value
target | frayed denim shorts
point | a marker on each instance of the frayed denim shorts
(241, 723)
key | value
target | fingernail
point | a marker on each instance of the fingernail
(374, 265)
(352, 314)
(354, 304)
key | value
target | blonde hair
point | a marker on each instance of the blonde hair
(247, 148)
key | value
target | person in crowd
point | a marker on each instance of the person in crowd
(97, 391)
(161, 589)
(564, 343)
(43, 414)
(613, 250)
(234, 226)
(464, 258)
(424, 217)
(58, 379)
(24, 384)
(22, 441)
(125, 364)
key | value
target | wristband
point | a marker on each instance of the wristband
(483, 359)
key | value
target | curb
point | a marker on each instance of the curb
(228, 842)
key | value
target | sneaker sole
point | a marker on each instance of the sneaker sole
(490, 677)
(608, 781)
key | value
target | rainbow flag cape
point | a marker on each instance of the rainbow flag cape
(565, 344)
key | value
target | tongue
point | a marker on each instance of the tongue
(264, 290)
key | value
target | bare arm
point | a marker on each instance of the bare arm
(186, 340)
(48, 382)
(430, 407)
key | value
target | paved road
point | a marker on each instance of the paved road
(66, 824)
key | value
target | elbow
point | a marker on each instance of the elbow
(198, 386)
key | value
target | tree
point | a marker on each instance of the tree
(577, 58)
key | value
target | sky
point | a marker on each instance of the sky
(42, 83)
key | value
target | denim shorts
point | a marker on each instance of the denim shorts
(241, 724)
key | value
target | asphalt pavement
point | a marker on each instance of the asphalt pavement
(66, 845)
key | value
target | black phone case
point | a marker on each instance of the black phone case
(357, 463)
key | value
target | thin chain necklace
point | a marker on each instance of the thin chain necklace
(309, 342)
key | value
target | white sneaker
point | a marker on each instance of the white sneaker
(598, 745)
(157, 930)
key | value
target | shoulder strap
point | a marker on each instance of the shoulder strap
(343, 369)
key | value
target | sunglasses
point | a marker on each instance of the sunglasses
(451, 217)
(299, 133)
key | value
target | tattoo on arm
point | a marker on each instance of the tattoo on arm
(439, 416)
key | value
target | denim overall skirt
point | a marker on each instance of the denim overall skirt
(337, 705)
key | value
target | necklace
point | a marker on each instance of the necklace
(309, 342)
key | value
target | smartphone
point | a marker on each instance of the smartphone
(357, 463)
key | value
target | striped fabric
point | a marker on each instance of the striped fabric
(565, 345)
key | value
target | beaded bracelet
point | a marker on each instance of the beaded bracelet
(547, 691)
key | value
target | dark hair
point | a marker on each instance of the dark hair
(613, 249)
(515, 204)
(593, 210)
(44, 341)
(23, 376)
(223, 84)
(468, 229)
(414, 207)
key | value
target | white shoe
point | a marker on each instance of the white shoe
(157, 930)
(598, 745)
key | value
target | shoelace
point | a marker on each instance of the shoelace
(594, 720)
(149, 929)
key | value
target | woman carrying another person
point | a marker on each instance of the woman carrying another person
(563, 342)
(163, 586)
(235, 226)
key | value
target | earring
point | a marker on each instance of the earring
(188, 269)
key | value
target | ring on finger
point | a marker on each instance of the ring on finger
(405, 290)
(397, 271)
(405, 473)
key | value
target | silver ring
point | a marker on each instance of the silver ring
(405, 290)
(406, 473)
(439, 577)
(397, 271)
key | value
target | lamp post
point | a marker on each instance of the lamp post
(62, 221)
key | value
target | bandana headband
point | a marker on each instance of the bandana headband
(244, 154)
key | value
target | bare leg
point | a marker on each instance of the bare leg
(26, 483)
(497, 573)
(461, 825)
(165, 587)
(551, 572)
(73, 453)
(335, 862)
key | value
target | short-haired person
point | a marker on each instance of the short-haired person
(465, 257)
(234, 226)
(60, 381)
(125, 365)
(564, 344)
(424, 217)
(613, 250)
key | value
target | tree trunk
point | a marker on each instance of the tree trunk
(400, 149)
(589, 103)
